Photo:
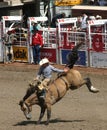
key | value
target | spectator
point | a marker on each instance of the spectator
(37, 43)
(78, 23)
(84, 21)
(33, 27)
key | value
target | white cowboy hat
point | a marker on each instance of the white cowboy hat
(43, 61)
(98, 16)
(34, 21)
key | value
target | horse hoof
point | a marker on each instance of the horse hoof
(38, 122)
(94, 90)
(28, 116)
(47, 123)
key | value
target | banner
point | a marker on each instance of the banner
(81, 60)
(20, 53)
(67, 2)
(50, 54)
(98, 59)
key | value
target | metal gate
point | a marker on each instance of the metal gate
(68, 38)
(98, 43)
(15, 39)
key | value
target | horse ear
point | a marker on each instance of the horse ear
(21, 103)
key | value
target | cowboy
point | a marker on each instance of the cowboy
(45, 71)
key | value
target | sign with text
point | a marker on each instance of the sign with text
(81, 60)
(98, 59)
(20, 53)
(49, 53)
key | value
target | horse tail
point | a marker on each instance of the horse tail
(77, 47)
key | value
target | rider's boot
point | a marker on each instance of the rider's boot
(43, 93)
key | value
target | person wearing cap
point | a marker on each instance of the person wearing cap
(45, 71)
(37, 43)
(33, 27)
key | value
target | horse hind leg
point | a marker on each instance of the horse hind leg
(90, 86)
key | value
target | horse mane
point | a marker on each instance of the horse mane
(31, 89)
(29, 92)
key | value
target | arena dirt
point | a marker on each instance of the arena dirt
(78, 110)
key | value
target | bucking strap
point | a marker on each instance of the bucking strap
(67, 87)
(57, 87)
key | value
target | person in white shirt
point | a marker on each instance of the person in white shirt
(84, 21)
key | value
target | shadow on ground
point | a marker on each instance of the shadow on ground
(43, 122)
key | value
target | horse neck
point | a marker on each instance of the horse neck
(32, 100)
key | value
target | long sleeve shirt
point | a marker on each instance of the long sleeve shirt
(46, 72)
(37, 39)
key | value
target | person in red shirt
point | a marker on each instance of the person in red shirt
(37, 43)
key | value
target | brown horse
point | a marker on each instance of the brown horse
(71, 80)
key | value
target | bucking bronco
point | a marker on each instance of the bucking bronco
(56, 90)
(70, 81)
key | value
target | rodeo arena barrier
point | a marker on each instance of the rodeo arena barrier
(15, 41)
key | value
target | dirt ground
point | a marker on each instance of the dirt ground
(78, 110)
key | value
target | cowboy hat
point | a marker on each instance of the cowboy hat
(43, 61)
(98, 17)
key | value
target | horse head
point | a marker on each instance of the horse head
(26, 106)
(26, 109)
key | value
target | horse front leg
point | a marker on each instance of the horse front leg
(90, 86)
(48, 114)
(41, 114)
